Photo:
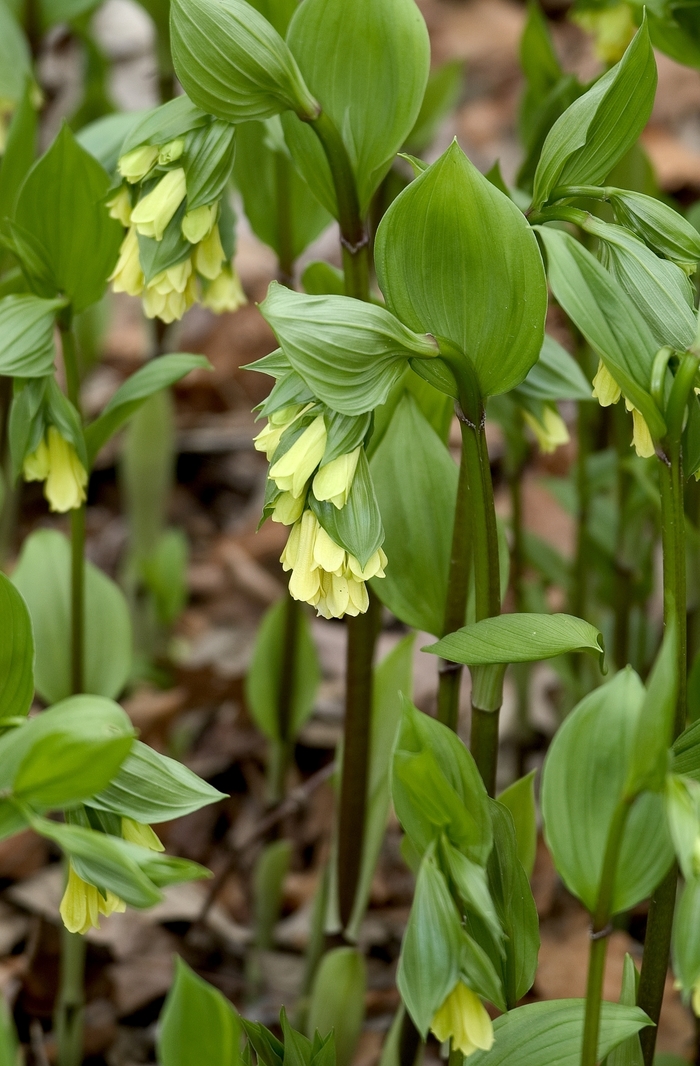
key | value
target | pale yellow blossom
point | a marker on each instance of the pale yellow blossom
(139, 833)
(334, 480)
(198, 224)
(551, 431)
(153, 213)
(127, 275)
(293, 470)
(83, 903)
(209, 255)
(136, 164)
(605, 389)
(463, 1019)
(120, 206)
(225, 292)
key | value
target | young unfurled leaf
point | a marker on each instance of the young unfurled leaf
(519, 638)
(456, 258)
(549, 1034)
(594, 133)
(649, 761)
(381, 52)
(16, 653)
(42, 576)
(27, 324)
(410, 466)
(597, 304)
(584, 779)
(233, 64)
(165, 123)
(349, 353)
(686, 937)
(151, 788)
(338, 1000)
(629, 1052)
(60, 206)
(659, 225)
(20, 149)
(198, 1026)
(271, 868)
(519, 798)
(151, 378)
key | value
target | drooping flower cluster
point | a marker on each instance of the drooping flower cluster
(56, 463)
(324, 573)
(178, 246)
(607, 392)
(463, 1018)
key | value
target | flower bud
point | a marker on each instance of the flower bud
(36, 465)
(136, 164)
(641, 437)
(83, 903)
(120, 206)
(463, 1018)
(209, 255)
(293, 470)
(288, 509)
(67, 478)
(659, 226)
(143, 835)
(550, 431)
(198, 224)
(605, 389)
(127, 275)
(334, 480)
(171, 151)
(224, 293)
(153, 213)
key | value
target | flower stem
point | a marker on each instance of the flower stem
(280, 753)
(600, 931)
(71, 994)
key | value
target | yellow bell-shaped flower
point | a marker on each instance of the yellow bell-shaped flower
(82, 904)
(551, 431)
(198, 224)
(641, 437)
(605, 389)
(169, 294)
(120, 206)
(225, 292)
(269, 437)
(127, 275)
(67, 478)
(209, 255)
(293, 470)
(37, 465)
(288, 509)
(171, 151)
(136, 164)
(334, 480)
(463, 1018)
(153, 213)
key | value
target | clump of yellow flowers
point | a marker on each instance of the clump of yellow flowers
(307, 480)
(463, 1019)
(171, 198)
(56, 463)
(607, 392)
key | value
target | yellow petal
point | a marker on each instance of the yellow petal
(463, 1018)
(695, 999)
(305, 582)
(138, 833)
(209, 255)
(171, 151)
(296, 466)
(136, 164)
(327, 554)
(641, 437)
(120, 206)
(67, 479)
(153, 213)
(605, 389)
(288, 509)
(127, 275)
(225, 292)
(36, 466)
(334, 480)
(551, 431)
(197, 224)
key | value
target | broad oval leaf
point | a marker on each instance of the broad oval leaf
(16, 653)
(42, 576)
(348, 352)
(410, 466)
(381, 52)
(584, 779)
(198, 1026)
(61, 206)
(457, 259)
(27, 324)
(152, 788)
(550, 1034)
(233, 64)
(598, 305)
(594, 133)
(266, 673)
(158, 374)
(519, 638)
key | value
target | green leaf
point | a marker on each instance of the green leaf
(152, 788)
(233, 64)
(391, 678)
(164, 572)
(65, 754)
(549, 1034)
(659, 225)
(686, 752)
(472, 886)
(686, 938)
(555, 376)
(629, 1052)
(431, 949)
(649, 761)
(682, 796)
(158, 374)
(660, 290)
(605, 315)
(16, 653)
(584, 780)
(61, 206)
(596, 131)
(15, 57)
(164, 123)
(412, 465)
(451, 232)
(519, 798)
(42, 576)
(271, 868)
(338, 1000)
(348, 352)
(198, 1026)
(280, 206)
(519, 638)
(208, 162)
(380, 52)
(20, 150)
(266, 676)
(27, 325)
(357, 526)
(104, 138)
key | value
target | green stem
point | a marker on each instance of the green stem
(660, 921)
(623, 575)
(600, 931)
(285, 246)
(71, 995)
(353, 235)
(280, 751)
(457, 591)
